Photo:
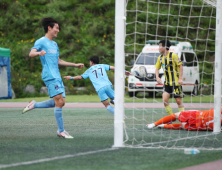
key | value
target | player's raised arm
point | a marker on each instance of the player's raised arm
(69, 64)
(113, 68)
(34, 53)
(73, 78)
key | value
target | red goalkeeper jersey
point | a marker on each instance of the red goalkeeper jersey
(204, 119)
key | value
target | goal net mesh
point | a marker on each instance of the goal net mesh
(192, 21)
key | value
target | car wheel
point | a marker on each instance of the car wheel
(132, 94)
(195, 89)
(152, 94)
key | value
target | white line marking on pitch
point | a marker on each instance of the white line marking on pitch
(54, 158)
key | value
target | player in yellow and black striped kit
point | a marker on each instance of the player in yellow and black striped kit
(173, 70)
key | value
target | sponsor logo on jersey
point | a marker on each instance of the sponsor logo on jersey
(163, 66)
(52, 51)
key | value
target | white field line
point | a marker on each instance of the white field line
(54, 158)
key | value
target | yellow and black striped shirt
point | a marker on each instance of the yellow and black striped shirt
(170, 65)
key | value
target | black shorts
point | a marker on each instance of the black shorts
(175, 91)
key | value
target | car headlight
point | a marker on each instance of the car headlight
(132, 85)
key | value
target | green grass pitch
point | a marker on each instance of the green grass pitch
(32, 137)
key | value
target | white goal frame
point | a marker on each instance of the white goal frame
(120, 20)
(217, 75)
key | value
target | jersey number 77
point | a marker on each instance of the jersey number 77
(96, 72)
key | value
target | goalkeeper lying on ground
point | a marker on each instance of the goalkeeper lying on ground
(97, 75)
(190, 120)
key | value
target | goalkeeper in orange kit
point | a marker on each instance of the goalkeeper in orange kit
(190, 120)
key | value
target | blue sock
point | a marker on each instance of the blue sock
(45, 104)
(59, 119)
(110, 109)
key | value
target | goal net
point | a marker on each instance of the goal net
(191, 28)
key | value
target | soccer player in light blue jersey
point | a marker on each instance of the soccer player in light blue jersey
(97, 74)
(48, 51)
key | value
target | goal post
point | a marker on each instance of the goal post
(217, 75)
(119, 72)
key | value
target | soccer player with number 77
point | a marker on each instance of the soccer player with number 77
(97, 75)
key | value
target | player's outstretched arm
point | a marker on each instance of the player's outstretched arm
(127, 73)
(73, 78)
(69, 64)
(113, 68)
(34, 53)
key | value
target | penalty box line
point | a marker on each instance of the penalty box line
(54, 158)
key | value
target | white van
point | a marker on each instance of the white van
(146, 60)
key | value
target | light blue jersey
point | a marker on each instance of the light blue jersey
(50, 68)
(97, 75)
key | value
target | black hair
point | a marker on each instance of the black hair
(165, 43)
(95, 59)
(48, 22)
